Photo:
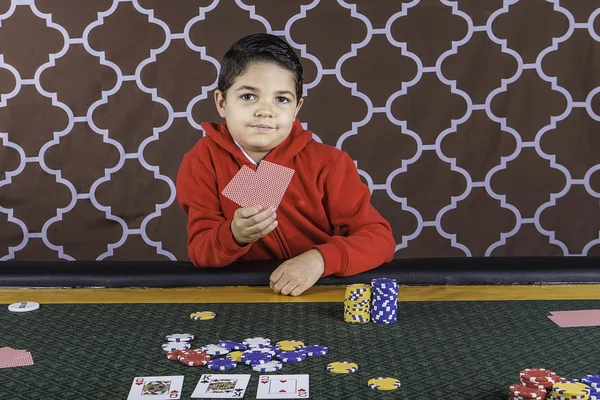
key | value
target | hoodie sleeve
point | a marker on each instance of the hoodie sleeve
(210, 240)
(365, 238)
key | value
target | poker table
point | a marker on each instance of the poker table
(450, 341)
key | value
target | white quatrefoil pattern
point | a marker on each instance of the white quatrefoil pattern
(475, 123)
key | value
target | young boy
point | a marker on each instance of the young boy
(325, 223)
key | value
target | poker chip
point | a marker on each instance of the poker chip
(518, 391)
(170, 346)
(221, 364)
(571, 390)
(314, 350)
(202, 315)
(235, 356)
(289, 345)
(194, 358)
(180, 337)
(24, 306)
(538, 375)
(591, 380)
(291, 356)
(214, 349)
(268, 350)
(255, 357)
(173, 355)
(257, 342)
(384, 383)
(270, 366)
(342, 367)
(232, 345)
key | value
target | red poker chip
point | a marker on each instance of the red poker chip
(538, 375)
(526, 392)
(196, 358)
(546, 385)
(173, 355)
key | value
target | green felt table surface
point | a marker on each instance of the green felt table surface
(438, 350)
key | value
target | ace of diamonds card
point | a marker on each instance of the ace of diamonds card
(282, 387)
(156, 388)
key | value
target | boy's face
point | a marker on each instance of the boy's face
(261, 107)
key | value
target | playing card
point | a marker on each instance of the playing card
(269, 184)
(156, 387)
(282, 387)
(576, 318)
(221, 386)
(14, 358)
(237, 189)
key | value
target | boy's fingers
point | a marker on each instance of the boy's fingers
(261, 216)
(248, 211)
(276, 275)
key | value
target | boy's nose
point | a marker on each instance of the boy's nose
(263, 113)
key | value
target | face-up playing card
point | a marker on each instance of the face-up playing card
(282, 387)
(265, 187)
(221, 386)
(156, 387)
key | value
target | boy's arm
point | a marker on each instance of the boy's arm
(365, 238)
(210, 240)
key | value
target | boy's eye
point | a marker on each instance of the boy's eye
(247, 96)
(282, 99)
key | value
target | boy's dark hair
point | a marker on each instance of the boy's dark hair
(259, 47)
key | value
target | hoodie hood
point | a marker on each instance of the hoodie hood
(282, 154)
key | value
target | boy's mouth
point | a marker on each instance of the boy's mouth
(261, 127)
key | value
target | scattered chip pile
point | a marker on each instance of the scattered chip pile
(357, 304)
(384, 307)
(256, 352)
(540, 384)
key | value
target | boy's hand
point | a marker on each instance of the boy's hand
(298, 274)
(250, 224)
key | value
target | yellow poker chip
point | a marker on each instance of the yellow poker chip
(235, 356)
(384, 383)
(202, 315)
(342, 367)
(289, 345)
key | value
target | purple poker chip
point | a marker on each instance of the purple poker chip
(256, 357)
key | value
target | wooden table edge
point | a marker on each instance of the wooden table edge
(260, 294)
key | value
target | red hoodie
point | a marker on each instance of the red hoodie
(325, 207)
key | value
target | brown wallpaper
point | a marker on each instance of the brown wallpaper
(476, 123)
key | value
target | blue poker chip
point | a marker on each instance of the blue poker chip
(221, 364)
(315, 350)
(591, 380)
(256, 357)
(180, 337)
(292, 356)
(232, 345)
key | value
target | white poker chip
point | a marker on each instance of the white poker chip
(172, 346)
(24, 306)
(180, 337)
(214, 349)
(270, 366)
(257, 342)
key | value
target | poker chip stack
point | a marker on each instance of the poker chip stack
(384, 305)
(534, 384)
(357, 304)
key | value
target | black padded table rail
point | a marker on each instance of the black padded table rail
(435, 271)
(438, 350)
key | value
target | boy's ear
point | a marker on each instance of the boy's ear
(298, 107)
(220, 103)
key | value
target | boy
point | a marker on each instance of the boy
(325, 223)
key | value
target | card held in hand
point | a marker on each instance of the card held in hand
(265, 187)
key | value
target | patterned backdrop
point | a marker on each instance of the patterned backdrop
(475, 123)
